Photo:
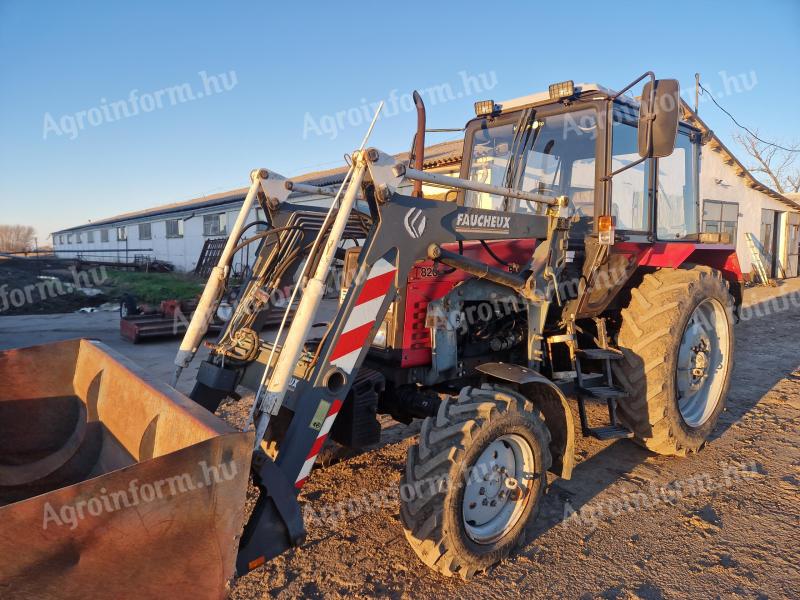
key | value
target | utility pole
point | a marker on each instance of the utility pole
(696, 92)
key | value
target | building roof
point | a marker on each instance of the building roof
(436, 156)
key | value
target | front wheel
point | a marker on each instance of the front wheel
(474, 481)
(677, 341)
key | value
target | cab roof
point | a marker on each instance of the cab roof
(544, 97)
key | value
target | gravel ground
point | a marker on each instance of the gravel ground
(729, 533)
(717, 524)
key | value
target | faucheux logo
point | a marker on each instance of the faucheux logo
(472, 221)
(415, 222)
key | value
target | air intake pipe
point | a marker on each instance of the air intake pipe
(419, 142)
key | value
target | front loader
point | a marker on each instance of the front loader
(566, 264)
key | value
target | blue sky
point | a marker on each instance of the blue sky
(96, 119)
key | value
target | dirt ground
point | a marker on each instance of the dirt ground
(23, 291)
(730, 532)
(719, 524)
(42, 286)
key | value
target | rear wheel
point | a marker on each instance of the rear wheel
(677, 338)
(473, 483)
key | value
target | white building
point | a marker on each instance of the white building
(734, 201)
(176, 233)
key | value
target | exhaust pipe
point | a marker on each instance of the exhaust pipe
(419, 142)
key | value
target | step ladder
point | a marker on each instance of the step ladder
(604, 390)
(757, 260)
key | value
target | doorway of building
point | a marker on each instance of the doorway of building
(769, 239)
(793, 262)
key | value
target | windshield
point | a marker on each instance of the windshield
(556, 157)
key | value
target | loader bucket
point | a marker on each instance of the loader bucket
(112, 485)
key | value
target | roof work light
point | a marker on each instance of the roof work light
(562, 89)
(485, 107)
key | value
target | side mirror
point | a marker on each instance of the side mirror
(658, 118)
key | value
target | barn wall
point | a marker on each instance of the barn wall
(182, 252)
(719, 181)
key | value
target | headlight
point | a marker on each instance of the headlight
(381, 336)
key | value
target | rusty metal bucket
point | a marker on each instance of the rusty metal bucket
(112, 485)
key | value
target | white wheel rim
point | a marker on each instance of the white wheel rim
(498, 489)
(702, 362)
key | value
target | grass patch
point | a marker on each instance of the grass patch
(152, 287)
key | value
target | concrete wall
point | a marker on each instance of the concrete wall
(182, 252)
(719, 181)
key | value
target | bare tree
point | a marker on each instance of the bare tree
(779, 168)
(16, 238)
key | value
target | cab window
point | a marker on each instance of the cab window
(630, 196)
(676, 196)
(556, 157)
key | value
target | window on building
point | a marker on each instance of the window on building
(78, 238)
(677, 216)
(69, 238)
(145, 231)
(215, 224)
(174, 228)
(122, 234)
(61, 238)
(720, 217)
(90, 237)
(630, 189)
(261, 219)
(104, 235)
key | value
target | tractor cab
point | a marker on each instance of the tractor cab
(605, 152)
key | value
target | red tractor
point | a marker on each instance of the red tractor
(568, 263)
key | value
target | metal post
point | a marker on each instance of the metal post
(696, 92)
(476, 186)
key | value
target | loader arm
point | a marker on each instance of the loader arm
(404, 230)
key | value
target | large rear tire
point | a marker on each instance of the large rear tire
(473, 483)
(677, 340)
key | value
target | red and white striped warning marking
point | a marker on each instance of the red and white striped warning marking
(360, 322)
(321, 437)
(351, 342)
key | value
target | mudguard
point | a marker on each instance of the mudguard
(551, 401)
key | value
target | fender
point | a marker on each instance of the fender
(551, 401)
(674, 254)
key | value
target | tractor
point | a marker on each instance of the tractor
(563, 266)
(566, 261)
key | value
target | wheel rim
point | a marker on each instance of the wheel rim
(498, 489)
(702, 362)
